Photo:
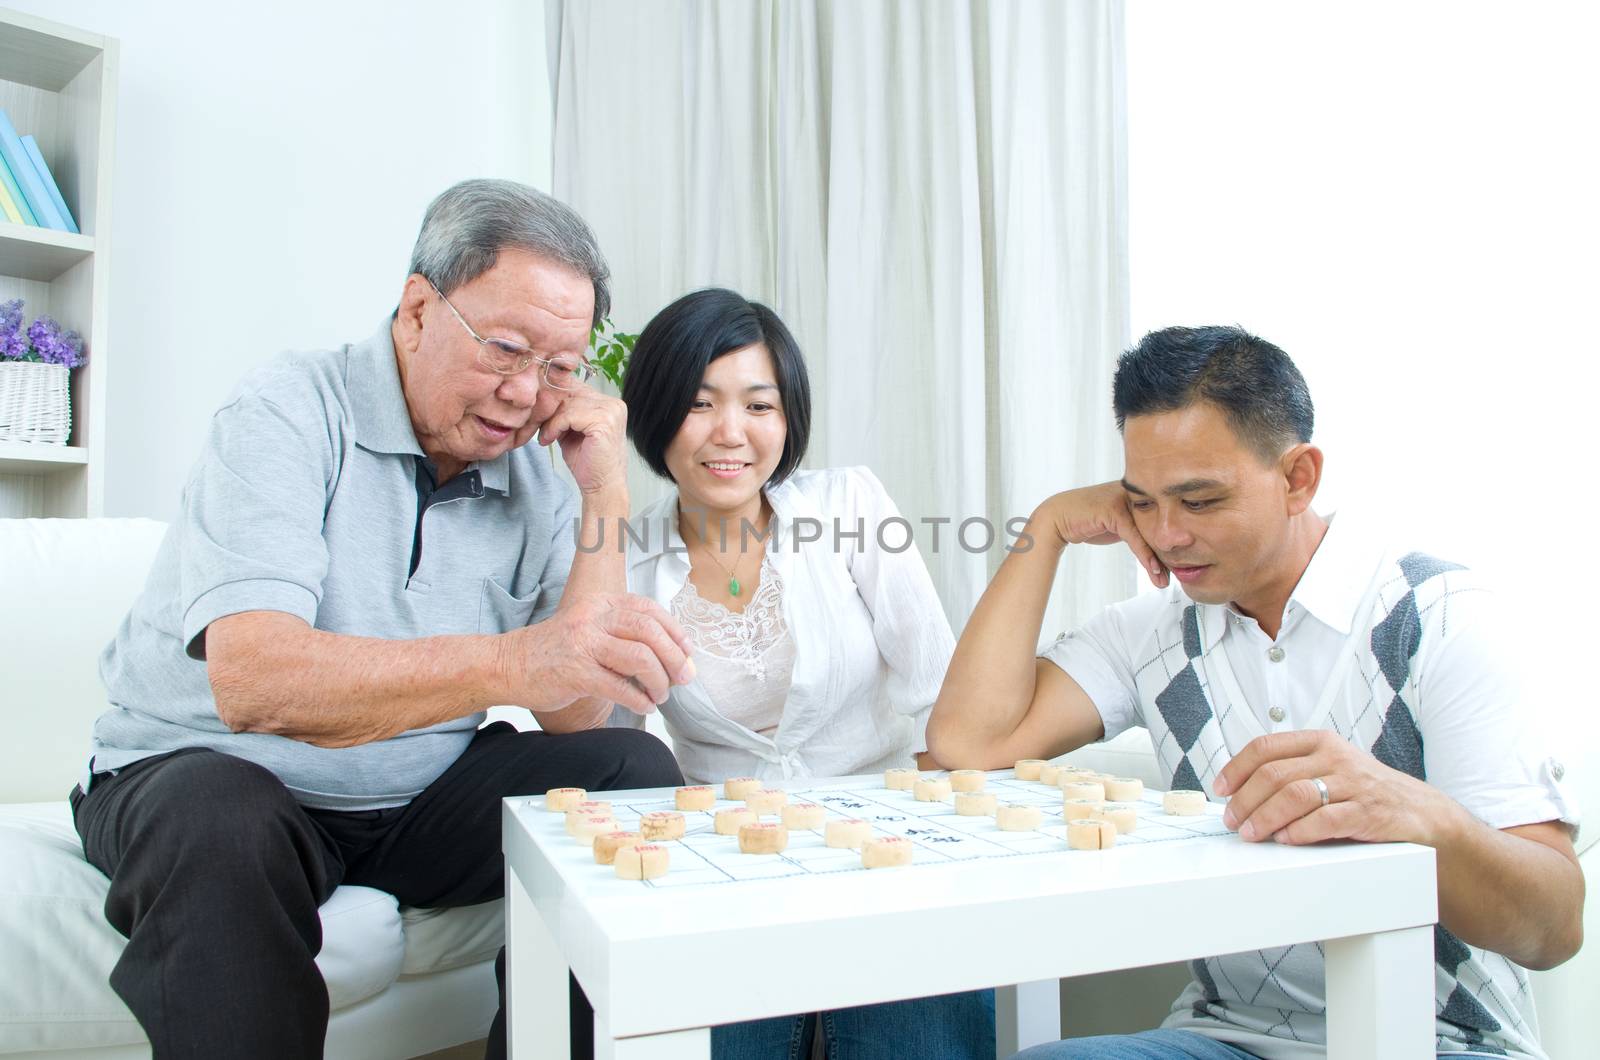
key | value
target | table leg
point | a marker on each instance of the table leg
(674, 1045)
(1380, 995)
(1025, 1015)
(536, 980)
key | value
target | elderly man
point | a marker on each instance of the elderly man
(1327, 687)
(367, 557)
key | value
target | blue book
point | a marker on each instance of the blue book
(16, 157)
(15, 191)
(32, 147)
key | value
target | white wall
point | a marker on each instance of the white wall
(1406, 198)
(273, 162)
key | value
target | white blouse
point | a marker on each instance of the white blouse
(871, 640)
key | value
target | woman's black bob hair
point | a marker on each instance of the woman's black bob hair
(669, 362)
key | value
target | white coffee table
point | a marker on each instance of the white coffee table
(661, 965)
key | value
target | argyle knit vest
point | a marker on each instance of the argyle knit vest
(1482, 1000)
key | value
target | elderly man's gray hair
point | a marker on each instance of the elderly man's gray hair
(466, 227)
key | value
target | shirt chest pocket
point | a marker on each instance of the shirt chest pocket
(500, 612)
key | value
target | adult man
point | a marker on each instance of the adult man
(366, 558)
(1326, 688)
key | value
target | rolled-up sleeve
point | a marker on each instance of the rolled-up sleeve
(1096, 657)
(253, 517)
(1480, 744)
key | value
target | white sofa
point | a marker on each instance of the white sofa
(402, 982)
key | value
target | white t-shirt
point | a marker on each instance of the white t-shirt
(1397, 655)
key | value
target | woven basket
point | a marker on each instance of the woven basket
(35, 403)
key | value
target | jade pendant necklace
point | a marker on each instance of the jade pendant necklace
(733, 576)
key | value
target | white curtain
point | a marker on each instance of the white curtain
(931, 195)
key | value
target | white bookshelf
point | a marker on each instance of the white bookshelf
(59, 83)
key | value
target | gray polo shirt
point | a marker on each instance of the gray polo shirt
(305, 501)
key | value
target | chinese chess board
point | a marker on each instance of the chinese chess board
(940, 835)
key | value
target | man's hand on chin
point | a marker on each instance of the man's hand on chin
(592, 430)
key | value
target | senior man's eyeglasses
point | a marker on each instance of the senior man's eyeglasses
(508, 358)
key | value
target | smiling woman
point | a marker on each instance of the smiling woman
(687, 338)
(816, 656)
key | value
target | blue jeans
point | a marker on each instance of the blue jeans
(1146, 1045)
(952, 1027)
(1158, 1045)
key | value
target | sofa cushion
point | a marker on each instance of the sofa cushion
(65, 585)
(59, 949)
(440, 939)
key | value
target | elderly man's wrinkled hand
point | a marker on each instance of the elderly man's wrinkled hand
(618, 647)
(1276, 794)
(592, 430)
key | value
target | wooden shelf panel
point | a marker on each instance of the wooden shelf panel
(31, 458)
(44, 54)
(35, 253)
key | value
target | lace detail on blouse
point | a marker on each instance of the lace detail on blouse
(745, 636)
(745, 658)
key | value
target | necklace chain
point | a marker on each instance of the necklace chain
(734, 588)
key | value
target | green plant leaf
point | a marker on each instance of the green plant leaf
(610, 350)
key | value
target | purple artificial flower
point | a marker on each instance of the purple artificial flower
(52, 346)
(13, 344)
(71, 350)
(43, 335)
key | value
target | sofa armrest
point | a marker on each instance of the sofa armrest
(1564, 996)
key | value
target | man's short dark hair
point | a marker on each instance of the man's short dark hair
(1252, 381)
(669, 362)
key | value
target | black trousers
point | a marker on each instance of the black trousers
(216, 875)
